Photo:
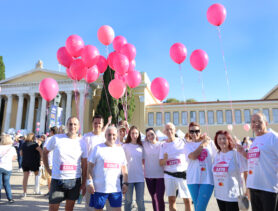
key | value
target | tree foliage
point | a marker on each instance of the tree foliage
(2, 69)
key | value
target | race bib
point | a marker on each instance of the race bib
(173, 162)
(220, 172)
(253, 158)
(111, 165)
(67, 167)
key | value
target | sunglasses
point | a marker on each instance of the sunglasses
(194, 131)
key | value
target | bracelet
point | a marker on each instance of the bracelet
(89, 181)
(125, 183)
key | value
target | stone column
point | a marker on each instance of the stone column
(8, 112)
(31, 112)
(42, 116)
(64, 109)
(19, 111)
(68, 109)
(81, 110)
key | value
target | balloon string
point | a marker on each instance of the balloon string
(76, 97)
(46, 116)
(226, 73)
(162, 116)
(182, 86)
(205, 99)
(107, 54)
(125, 105)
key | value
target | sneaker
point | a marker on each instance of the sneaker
(23, 195)
(19, 170)
(37, 193)
(46, 194)
(11, 201)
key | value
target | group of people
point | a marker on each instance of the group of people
(109, 162)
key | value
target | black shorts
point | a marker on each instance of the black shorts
(59, 193)
(30, 168)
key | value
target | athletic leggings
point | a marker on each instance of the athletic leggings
(227, 205)
(156, 189)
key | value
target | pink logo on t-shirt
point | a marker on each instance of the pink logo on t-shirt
(173, 162)
(254, 152)
(203, 155)
(221, 167)
(64, 167)
(111, 165)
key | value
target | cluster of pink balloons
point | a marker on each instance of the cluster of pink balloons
(48, 89)
(122, 61)
(82, 61)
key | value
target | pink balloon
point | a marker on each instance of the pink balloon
(216, 14)
(246, 127)
(48, 89)
(178, 52)
(90, 55)
(78, 70)
(106, 35)
(199, 59)
(37, 129)
(121, 77)
(116, 88)
(160, 88)
(132, 65)
(69, 73)
(120, 63)
(63, 57)
(102, 64)
(110, 59)
(118, 42)
(133, 79)
(92, 74)
(47, 134)
(74, 45)
(129, 50)
(38, 123)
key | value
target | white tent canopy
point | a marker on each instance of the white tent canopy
(180, 133)
(160, 135)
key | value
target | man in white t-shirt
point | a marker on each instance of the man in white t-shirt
(262, 157)
(92, 139)
(69, 165)
(105, 165)
(172, 157)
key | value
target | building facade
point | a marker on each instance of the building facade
(22, 107)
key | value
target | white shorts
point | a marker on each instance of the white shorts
(174, 184)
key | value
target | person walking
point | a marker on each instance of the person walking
(134, 154)
(200, 152)
(7, 155)
(69, 170)
(31, 158)
(154, 175)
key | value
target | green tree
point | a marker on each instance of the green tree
(191, 100)
(114, 107)
(2, 69)
(172, 100)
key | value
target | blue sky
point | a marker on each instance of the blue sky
(32, 30)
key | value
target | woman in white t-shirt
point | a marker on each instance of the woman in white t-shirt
(7, 155)
(200, 152)
(153, 171)
(226, 167)
(134, 156)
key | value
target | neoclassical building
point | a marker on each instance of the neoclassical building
(22, 107)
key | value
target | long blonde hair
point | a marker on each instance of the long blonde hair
(6, 140)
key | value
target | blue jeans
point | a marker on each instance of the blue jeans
(19, 158)
(139, 189)
(200, 194)
(5, 177)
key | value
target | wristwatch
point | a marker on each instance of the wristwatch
(125, 183)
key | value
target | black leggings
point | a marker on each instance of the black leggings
(263, 200)
(227, 205)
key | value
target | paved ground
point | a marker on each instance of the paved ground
(39, 202)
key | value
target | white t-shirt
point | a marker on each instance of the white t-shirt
(263, 163)
(67, 154)
(119, 142)
(225, 175)
(151, 156)
(7, 152)
(134, 157)
(176, 156)
(93, 140)
(108, 162)
(199, 170)
(50, 154)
